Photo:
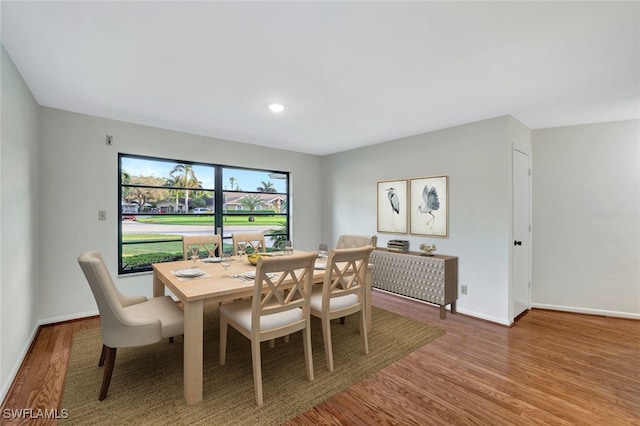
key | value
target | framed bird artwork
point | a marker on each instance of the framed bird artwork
(429, 206)
(392, 206)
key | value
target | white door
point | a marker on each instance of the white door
(521, 273)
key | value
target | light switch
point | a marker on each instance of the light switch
(102, 215)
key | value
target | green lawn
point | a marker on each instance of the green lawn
(151, 250)
(151, 237)
(140, 249)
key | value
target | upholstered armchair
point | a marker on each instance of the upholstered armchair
(126, 322)
(351, 241)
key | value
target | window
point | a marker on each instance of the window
(161, 200)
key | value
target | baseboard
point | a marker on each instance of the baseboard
(6, 387)
(462, 311)
(587, 311)
(63, 318)
(485, 317)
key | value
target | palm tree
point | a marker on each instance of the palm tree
(266, 187)
(173, 182)
(251, 201)
(184, 174)
(232, 179)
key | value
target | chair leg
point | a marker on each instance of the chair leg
(223, 339)
(257, 370)
(108, 371)
(342, 320)
(286, 338)
(170, 339)
(326, 335)
(272, 343)
(363, 333)
(308, 354)
(102, 356)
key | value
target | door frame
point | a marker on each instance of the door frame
(527, 245)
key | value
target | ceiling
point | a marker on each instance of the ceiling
(349, 74)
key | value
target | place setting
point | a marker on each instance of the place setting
(188, 274)
(250, 276)
(212, 259)
(192, 272)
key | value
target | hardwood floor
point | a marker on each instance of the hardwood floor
(550, 368)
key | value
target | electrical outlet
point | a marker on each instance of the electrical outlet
(102, 215)
(463, 289)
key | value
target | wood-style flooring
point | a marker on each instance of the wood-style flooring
(551, 368)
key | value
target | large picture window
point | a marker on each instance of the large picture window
(162, 199)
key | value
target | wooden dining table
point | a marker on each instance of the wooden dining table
(217, 284)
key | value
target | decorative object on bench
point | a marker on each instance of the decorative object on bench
(398, 245)
(428, 249)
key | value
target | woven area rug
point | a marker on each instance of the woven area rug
(147, 386)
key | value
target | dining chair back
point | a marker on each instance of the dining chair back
(126, 322)
(351, 241)
(279, 307)
(247, 243)
(342, 294)
(209, 244)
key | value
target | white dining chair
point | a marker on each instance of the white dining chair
(279, 307)
(342, 294)
(209, 243)
(245, 243)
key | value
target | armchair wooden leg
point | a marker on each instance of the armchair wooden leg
(108, 371)
(102, 356)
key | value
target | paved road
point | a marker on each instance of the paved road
(133, 227)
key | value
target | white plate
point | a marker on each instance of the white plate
(252, 274)
(320, 266)
(189, 273)
(211, 260)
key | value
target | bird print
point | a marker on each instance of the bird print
(394, 200)
(431, 202)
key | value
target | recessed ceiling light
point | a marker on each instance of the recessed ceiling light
(276, 107)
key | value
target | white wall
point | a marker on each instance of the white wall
(18, 220)
(79, 177)
(586, 218)
(477, 159)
